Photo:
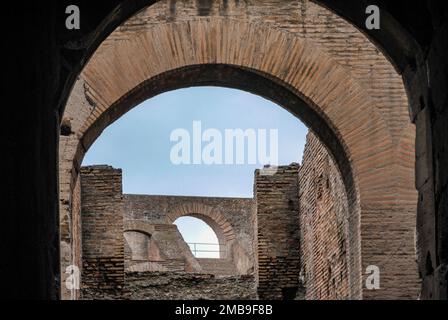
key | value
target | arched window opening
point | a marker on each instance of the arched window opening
(200, 237)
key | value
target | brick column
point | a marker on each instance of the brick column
(278, 234)
(102, 232)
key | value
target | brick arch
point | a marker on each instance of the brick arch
(328, 88)
(358, 127)
(258, 83)
(212, 217)
(138, 226)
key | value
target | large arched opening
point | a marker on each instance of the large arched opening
(214, 219)
(372, 144)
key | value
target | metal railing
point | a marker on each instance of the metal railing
(203, 247)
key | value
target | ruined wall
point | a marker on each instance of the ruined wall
(324, 225)
(138, 247)
(139, 259)
(163, 245)
(230, 219)
(187, 286)
(299, 221)
(111, 243)
(102, 232)
(278, 233)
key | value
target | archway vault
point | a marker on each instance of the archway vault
(356, 105)
(215, 219)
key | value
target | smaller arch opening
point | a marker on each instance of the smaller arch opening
(200, 237)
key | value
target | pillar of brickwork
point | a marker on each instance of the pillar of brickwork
(277, 233)
(102, 232)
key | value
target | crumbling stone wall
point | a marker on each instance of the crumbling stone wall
(142, 247)
(230, 219)
(102, 232)
(188, 286)
(278, 233)
(165, 248)
(324, 221)
(135, 234)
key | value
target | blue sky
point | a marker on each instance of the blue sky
(139, 142)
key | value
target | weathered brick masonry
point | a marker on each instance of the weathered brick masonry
(230, 219)
(102, 232)
(126, 236)
(278, 233)
(104, 210)
(297, 225)
(181, 286)
(354, 99)
(325, 239)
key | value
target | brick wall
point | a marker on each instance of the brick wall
(185, 286)
(164, 247)
(102, 232)
(324, 225)
(278, 233)
(230, 219)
